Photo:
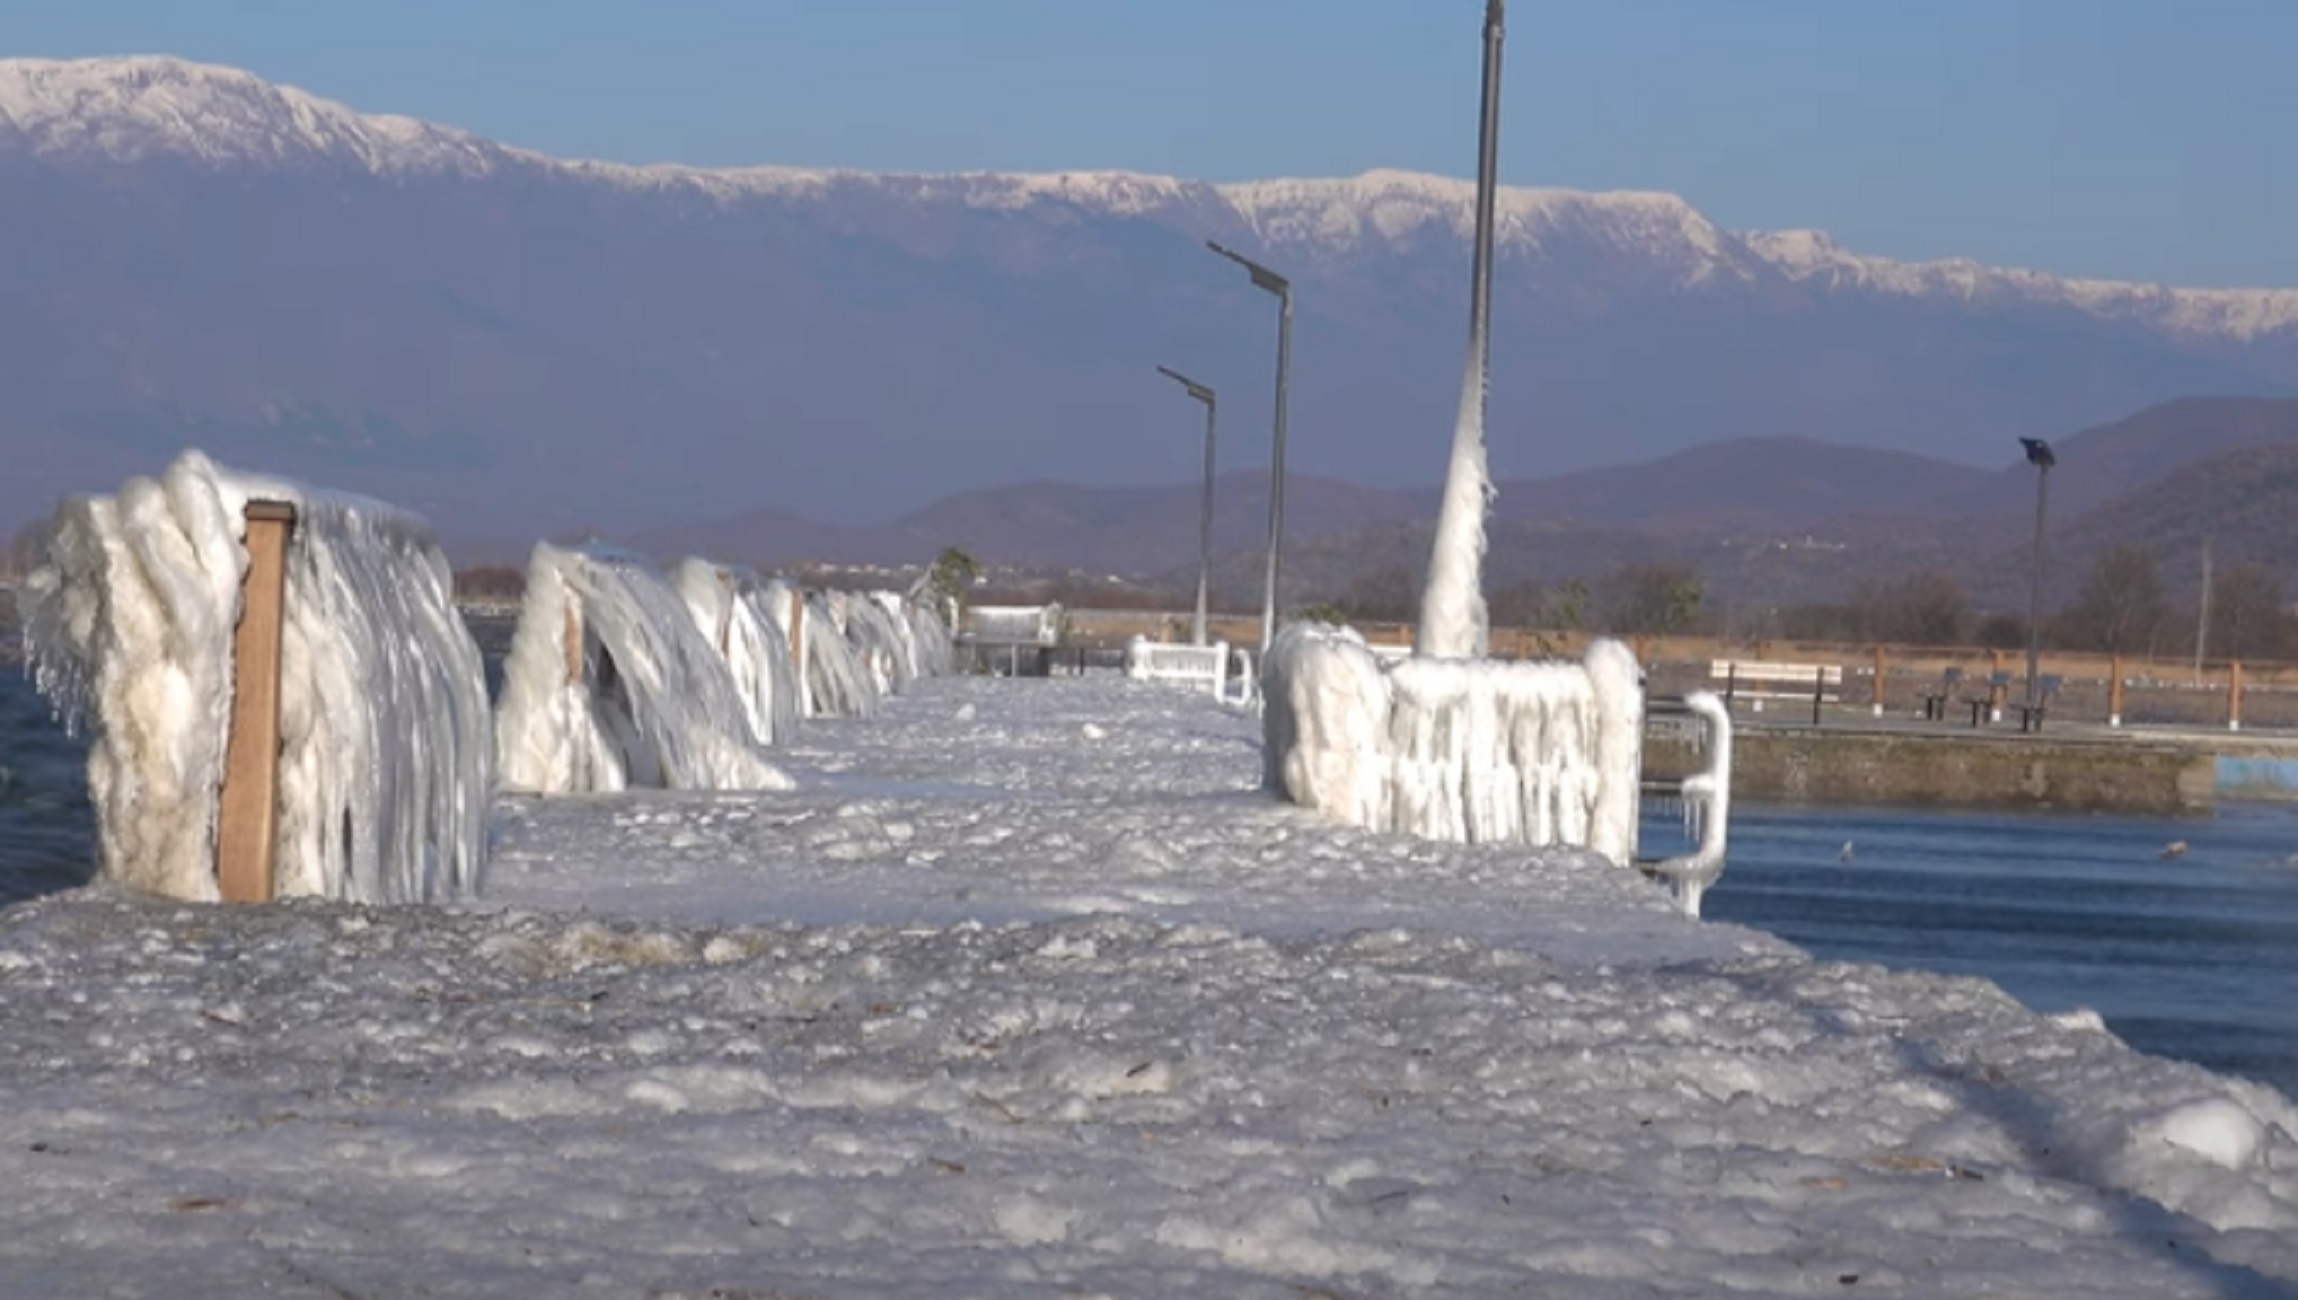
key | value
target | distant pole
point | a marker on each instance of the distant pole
(1205, 505)
(2038, 455)
(1454, 622)
(2202, 620)
(1266, 279)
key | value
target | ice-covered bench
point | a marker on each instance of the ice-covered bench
(1196, 665)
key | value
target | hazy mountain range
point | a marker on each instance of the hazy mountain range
(1775, 521)
(516, 344)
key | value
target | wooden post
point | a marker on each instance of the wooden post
(247, 807)
(798, 630)
(2234, 696)
(570, 640)
(1994, 686)
(1878, 680)
(726, 615)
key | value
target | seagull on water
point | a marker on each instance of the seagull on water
(2174, 849)
(1844, 854)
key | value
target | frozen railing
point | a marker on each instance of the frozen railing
(1541, 753)
(1014, 624)
(1705, 794)
(282, 698)
(1205, 666)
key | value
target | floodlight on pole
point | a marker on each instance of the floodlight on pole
(1264, 278)
(1205, 506)
(2040, 456)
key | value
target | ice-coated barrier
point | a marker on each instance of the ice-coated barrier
(740, 615)
(1453, 749)
(610, 683)
(1205, 666)
(382, 733)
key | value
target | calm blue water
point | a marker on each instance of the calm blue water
(2194, 957)
(47, 831)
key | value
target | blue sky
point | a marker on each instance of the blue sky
(2131, 139)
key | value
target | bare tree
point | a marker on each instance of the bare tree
(2121, 608)
(1927, 607)
(1649, 598)
(2247, 617)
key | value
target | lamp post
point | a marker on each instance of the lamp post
(1205, 504)
(1264, 278)
(2038, 455)
(1454, 621)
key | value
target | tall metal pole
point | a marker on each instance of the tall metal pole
(1205, 506)
(2202, 616)
(2038, 454)
(1454, 622)
(1205, 525)
(1266, 279)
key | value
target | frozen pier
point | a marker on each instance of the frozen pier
(1026, 989)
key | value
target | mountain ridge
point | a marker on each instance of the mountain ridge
(510, 342)
(131, 108)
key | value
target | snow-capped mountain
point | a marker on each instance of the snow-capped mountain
(205, 256)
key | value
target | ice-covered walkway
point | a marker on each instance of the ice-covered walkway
(1024, 992)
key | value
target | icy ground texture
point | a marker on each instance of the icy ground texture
(385, 734)
(610, 684)
(1281, 1058)
(1451, 749)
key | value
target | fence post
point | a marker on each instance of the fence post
(247, 806)
(1995, 688)
(798, 630)
(1879, 680)
(2114, 692)
(570, 640)
(1818, 690)
(2234, 696)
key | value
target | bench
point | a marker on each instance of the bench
(2031, 713)
(1203, 666)
(1757, 680)
(1991, 700)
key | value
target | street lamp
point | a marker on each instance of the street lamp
(1264, 278)
(2038, 455)
(1205, 505)
(1454, 621)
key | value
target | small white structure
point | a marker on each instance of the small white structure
(1203, 666)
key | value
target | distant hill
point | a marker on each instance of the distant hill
(1750, 485)
(1767, 521)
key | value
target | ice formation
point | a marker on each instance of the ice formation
(839, 682)
(1452, 749)
(1195, 665)
(737, 612)
(610, 684)
(1706, 796)
(384, 740)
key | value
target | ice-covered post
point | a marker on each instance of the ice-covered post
(247, 805)
(2114, 692)
(798, 630)
(1454, 623)
(2234, 695)
(1878, 680)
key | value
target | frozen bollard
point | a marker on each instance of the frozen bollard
(282, 699)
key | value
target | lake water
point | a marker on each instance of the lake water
(2194, 956)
